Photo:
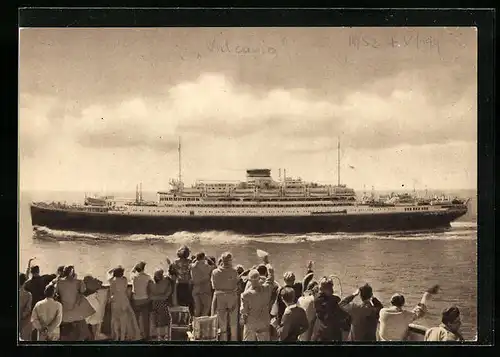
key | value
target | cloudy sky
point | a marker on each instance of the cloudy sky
(102, 109)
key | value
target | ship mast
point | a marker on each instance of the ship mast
(179, 149)
(338, 162)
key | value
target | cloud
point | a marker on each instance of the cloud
(214, 106)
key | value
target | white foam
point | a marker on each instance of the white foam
(462, 232)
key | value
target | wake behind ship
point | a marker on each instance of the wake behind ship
(258, 205)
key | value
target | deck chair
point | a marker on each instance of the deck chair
(204, 328)
(180, 320)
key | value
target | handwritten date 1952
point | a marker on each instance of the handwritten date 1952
(415, 41)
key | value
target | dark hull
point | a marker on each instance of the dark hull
(134, 224)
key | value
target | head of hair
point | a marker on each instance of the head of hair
(183, 252)
(288, 295)
(118, 272)
(60, 270)
(171, 270)
(326, 284)
(449, 315)
(35, 270)
(200, 256)
(22, 279)
(158, 275)
(262, 269)
(49, 291)
(139, 267)
(240, 269)
(312, 286)
(226, 258)
(289, 278)
(398, 300)
(365, 292)
(253, 276)
(68, 271)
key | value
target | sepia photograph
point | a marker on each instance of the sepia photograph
(236, 184)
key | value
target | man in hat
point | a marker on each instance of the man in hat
(141, 303)
(254, 308)
(394, 320)
(225, 301)
(449, 328)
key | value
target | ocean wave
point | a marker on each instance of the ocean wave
(462, 232)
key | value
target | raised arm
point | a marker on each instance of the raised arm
(344, 303)
(377, 304)
(270, 274)
(421, 308)
(29, 267)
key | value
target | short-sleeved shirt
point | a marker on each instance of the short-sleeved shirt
(183, 269)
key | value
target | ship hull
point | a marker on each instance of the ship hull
(60, 219)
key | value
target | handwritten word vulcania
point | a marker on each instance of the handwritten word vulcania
(226, 47)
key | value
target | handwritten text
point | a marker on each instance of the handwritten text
(226, 47)
(415, 41)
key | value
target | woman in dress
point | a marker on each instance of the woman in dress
(183, 269)
(97, 300)
(124, 325)
(160, 292)
(76, 307)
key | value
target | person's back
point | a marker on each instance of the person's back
(394, 323)
(69, 291)
(47, 316)
(256, 301)
(183, 269)
(364, 321)
(440, 334)
(225, 279)
(394, 320)
(307, 303)
(294, 320)
(141, 284)
(35, 285)
(201, 273)
(118, 290)
(161, 290)
(329, 318)
(255, 307)
(448, 330)
(364, 315)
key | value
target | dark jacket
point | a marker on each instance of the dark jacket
(293, 323)
(331, 319)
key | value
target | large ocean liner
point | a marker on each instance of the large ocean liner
(258, 205)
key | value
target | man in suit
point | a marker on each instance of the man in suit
(294, 320)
